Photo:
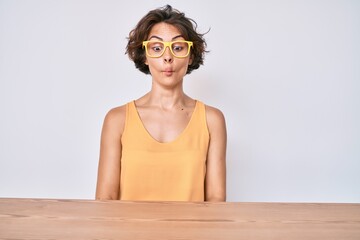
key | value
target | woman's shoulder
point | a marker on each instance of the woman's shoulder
(116, 112)
(213, 112)
(115, 118)
(214, 117)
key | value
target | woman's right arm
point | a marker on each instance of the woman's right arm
(108, 181)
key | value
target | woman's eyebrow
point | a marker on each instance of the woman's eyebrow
(156, 38)
(161, 39)
(177, 37)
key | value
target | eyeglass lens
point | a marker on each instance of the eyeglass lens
(156, 49)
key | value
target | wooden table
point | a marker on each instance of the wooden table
(87, 219)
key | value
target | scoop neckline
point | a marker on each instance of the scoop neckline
(177, 137)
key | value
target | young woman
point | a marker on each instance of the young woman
(164, 146)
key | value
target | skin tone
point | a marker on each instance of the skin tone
(165, 112)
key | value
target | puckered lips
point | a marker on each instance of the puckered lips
(168, 72)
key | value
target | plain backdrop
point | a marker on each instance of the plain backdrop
(286, 75)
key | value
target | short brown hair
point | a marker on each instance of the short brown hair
(167, 14)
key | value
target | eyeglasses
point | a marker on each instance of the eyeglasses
(179, 49)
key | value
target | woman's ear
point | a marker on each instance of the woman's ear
(190, 60)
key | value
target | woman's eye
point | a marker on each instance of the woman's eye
(157, 48)
(177, 48)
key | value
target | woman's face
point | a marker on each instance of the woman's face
(167, 69)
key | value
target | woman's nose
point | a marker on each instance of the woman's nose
(168, 57)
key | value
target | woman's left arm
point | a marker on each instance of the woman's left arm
(215, 180)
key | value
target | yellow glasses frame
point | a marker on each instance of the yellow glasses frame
(168, 44)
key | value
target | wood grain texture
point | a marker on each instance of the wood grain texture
(87, 219)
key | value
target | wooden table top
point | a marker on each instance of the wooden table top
(89, 219)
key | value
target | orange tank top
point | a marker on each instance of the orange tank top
(171, 171)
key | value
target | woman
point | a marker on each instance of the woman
(164, 146)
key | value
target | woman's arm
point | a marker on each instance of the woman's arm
(108, 182)
(215, 181)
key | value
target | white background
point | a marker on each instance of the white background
(286, 74)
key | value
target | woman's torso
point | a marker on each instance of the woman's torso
(170, 171)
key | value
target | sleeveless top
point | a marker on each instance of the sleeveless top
(170, 171)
